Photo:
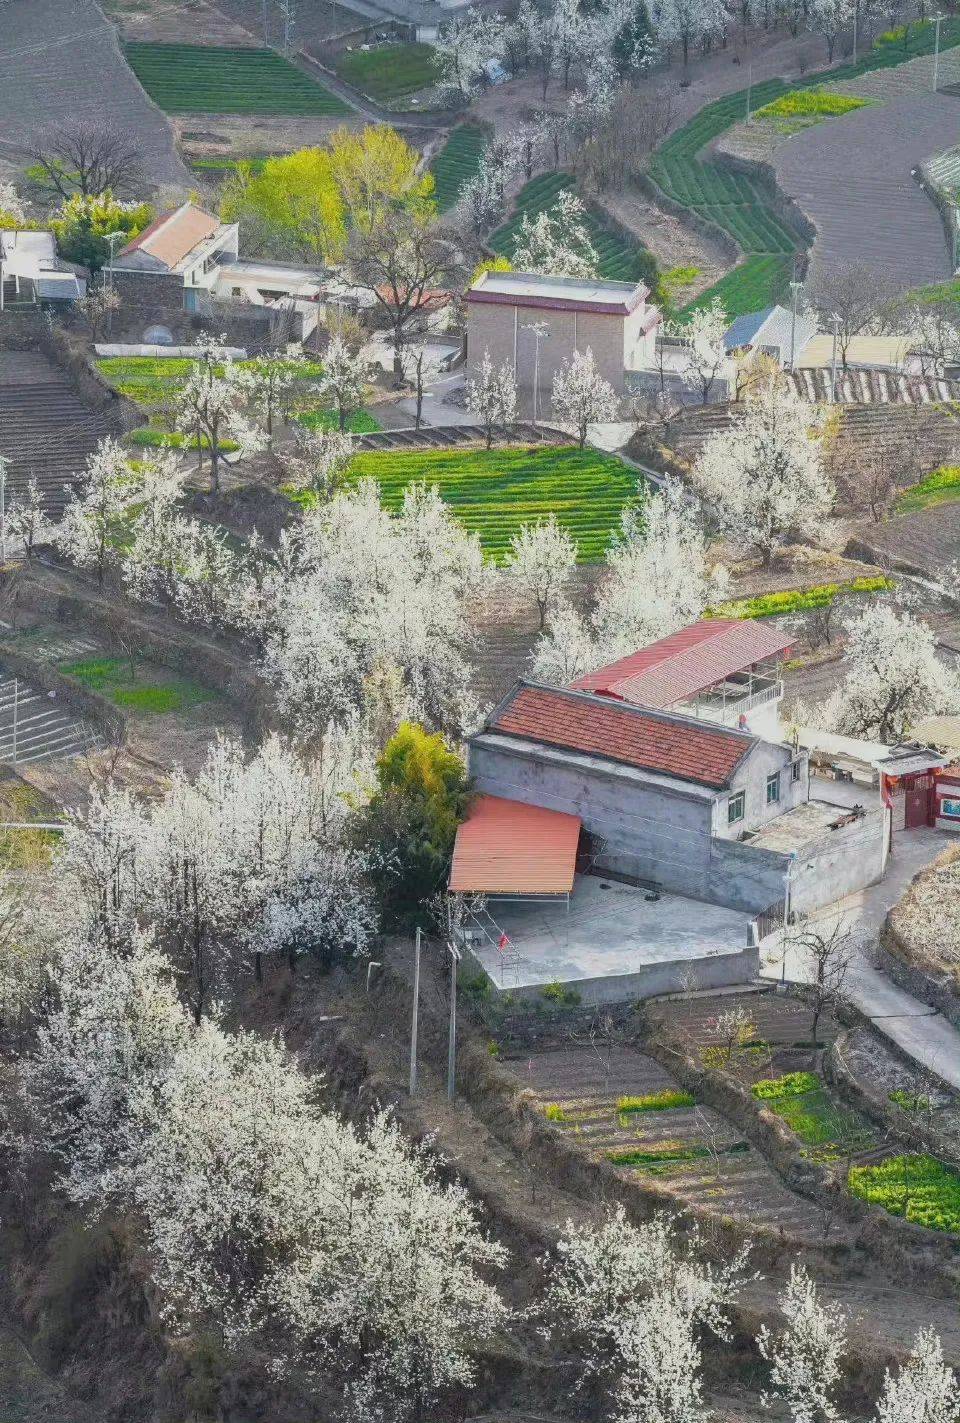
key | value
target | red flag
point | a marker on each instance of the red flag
(504, 943)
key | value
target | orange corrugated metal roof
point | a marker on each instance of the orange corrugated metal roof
(507, 847)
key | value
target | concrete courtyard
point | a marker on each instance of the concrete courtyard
(615, 943)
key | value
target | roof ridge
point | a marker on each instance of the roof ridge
(671, 718)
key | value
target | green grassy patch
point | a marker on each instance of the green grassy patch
(940, 487)
(755, 283)
(663, 1101)
(810, 103)
(148, 438)
(554, 1112)
(456, 163)
(390, 71)
(186, 79)
(917, 1187)
(940, 291)
(621, 258)
(797, 600)
(802, 1101)
(494, 492)
(116, 678)
(361, 422)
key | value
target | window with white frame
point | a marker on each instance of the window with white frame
(773, 788)
(736, 806)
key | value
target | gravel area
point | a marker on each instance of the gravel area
(61, 61)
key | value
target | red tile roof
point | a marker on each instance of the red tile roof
(508, 847)
(671, 746)
(688, 661)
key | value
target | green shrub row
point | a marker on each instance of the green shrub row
(456, 163)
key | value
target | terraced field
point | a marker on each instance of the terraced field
(188, 79)
(456, 163)
(691, 1150)
(621, 259)
(494, 492)
(742, 207)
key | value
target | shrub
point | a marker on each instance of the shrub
(82, 224)
(656, 1101)
(410, 822)
(910, 1101)
(918, 1187)
(560, 995)
(554, 1112)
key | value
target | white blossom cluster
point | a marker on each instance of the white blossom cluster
(252, 857)
(655, 581)
(299, 1240)
(370, 591)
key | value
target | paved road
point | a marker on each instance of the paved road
(852, 177)
(915, 1027)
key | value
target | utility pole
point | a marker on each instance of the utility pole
(749, 87)
(416, 1009)
(452, 1044)
(263, 16)
(16, 698)
(856, 16)
(539, 329)
(835, 322)
(112, 238)
(4, 463)
(938, 21)
(795, 287)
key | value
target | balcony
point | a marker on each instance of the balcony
(726, 702)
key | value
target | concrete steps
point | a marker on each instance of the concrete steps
(34, 726)
(46, 430)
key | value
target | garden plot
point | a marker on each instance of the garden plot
(617, 1105)
(389, 72)
(494, 492)
(186, 79)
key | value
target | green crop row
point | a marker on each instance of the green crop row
(621, 259)
(184, 79)
(456, 163)
(917, 1187)
(802, 1101)
(797, 600)
(664, 1101)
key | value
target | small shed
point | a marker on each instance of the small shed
(506, 849)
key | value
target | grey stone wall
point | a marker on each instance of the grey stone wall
(720, 971)
(159, 301)
(744, 876)
(845, 861)
(649, 833)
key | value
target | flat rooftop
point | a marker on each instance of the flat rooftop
(806, 824)
(610, 929)
(272, 271)
(560, 292)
